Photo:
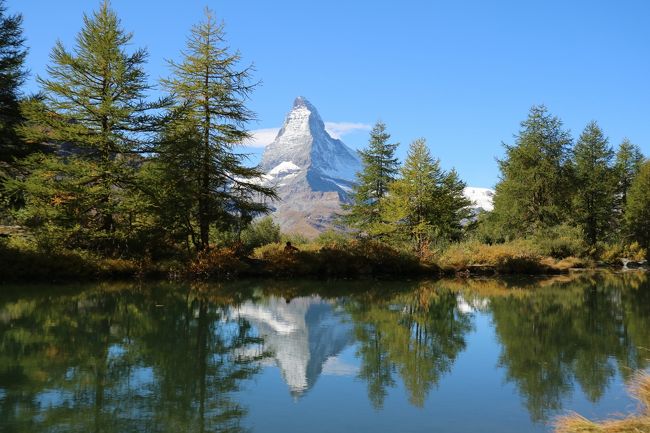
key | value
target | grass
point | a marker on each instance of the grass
(351, 258)
(331, 256)
(639, 423)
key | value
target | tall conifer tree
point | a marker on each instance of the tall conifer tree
(593, 204)
(534, 191)
(637, 211)
(210, 118)
(425, 203)
(94, 111)
(380, 167)
(12, 76)
(626, 166)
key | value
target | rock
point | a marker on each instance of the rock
(312, 172)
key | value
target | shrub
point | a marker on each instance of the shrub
(613, 253)
(216, 263)
(560, 241)
(260, 232)
(341, 259)
(512, 257)
(30, 264)
(333, 238)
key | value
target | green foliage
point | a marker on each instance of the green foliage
(12, 75)
(207, 120)
(614, 252)
(593, 202)
(425, 203)
(626, 166)
(534, 189)
(23, 261)
(294, 238)
(333, 237)
(93, 108)
(380, 167)
(416, 335)
(261, 232)
(637, 212)
(560, 241)
(349, 259)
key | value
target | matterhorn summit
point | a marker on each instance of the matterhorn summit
(312, 172)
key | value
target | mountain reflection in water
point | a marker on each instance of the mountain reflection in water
(303, 334)
(450, 355)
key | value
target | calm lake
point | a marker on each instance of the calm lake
(272, 356)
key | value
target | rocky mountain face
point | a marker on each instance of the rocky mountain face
(312, 171)
(304, 335)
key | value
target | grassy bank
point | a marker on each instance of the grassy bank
(323, 258)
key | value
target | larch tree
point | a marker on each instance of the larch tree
(380, 168)
(12, 76)
(94, 113)
(593, 203)
(627, 164)
(209, 120)
(637, 211)
(534, 190)
(426, 203)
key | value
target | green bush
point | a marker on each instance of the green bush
(261, 232)
(561, 241)
(333, 238)
(348, 258)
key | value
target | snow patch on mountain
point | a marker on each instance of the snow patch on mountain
(482, 198)
(287, 167)
(314, 173)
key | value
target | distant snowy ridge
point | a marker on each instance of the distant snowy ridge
(482, 198)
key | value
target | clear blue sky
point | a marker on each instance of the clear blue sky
(462, 74)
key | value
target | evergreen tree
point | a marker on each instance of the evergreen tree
(637, 212)
(209, 121)
(93, 110)
(380, 167)
(626, 166)
(12, 76)
(425, 203)
(534, 189)
(593, 203)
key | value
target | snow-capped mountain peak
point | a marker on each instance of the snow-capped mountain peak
(312, 171)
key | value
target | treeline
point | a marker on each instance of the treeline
(94, 163)
(584, 199)
(93, 167)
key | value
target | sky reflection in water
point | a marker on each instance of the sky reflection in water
(451, 355)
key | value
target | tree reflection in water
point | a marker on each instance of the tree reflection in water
(173, 358)
(417, 335)
(123, 360)
(581, 331)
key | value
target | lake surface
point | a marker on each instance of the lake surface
(272, 356)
